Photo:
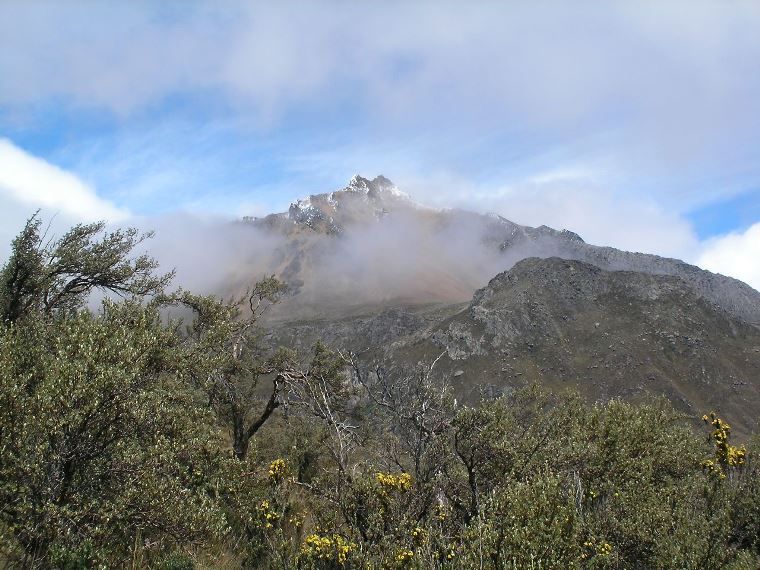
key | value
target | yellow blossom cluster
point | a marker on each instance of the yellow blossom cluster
(333, 548)
(596, 549)
(277, 470)
(713, 468)
(267, 516)
(404, 555)
(400, 481)
(726, 455)
(419, 535)
(450, 553)
(297, 520)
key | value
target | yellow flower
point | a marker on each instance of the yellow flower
(267, 516)
(329, 548)
(277, 470)
(726, 455)
(400, 481)
(419, 535)
(450, 553)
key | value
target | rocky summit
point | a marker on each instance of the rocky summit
(516, 305)
(455, 250)
(361, 201)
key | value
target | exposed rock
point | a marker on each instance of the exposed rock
(609, 333)
(364, 202)
(569, 323)
(561, 312)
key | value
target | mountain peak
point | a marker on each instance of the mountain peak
(358, 182)
(360, 201)
(382, 181)
(375, 188)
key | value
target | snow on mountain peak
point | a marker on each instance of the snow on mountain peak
(358, 183)
(377, 187)
(360, 199)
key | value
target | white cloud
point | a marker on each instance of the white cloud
(602, 218)
(682, 77)
(573, 198)
(667, 92)
(736, 254)
(28, 183)
(581, 197)
(35, 183)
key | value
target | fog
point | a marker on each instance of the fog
(408, 257)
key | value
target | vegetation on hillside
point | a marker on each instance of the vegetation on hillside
(129, 438)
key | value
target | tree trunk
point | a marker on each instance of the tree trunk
(240, 439)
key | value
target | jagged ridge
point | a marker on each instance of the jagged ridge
(363, 203)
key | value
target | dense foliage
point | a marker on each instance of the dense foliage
(129, 439)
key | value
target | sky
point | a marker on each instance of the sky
(634, 124)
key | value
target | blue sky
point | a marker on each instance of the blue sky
(635, 124)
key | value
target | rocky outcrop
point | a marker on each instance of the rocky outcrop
(567, 324)
(608, 333)
(560, 312)
(364, 203)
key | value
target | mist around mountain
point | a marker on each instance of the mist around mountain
(369, 243)
(508, 305)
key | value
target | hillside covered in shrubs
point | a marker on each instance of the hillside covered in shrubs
(157, 430)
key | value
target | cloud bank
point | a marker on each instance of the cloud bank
(669, 85)
(35, 183)
(29, 183)
(612, 119)
(736, 254)
(395, 260)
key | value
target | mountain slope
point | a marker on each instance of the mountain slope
(608, 333)
(400, 283)
(370, 243)
(566, 323)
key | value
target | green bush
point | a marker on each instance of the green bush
(129, 440)
(176, 561)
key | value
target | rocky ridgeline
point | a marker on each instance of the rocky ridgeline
(520, 242)
(608, 333)
(365, 202)
(360, 201)
(559, 311)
